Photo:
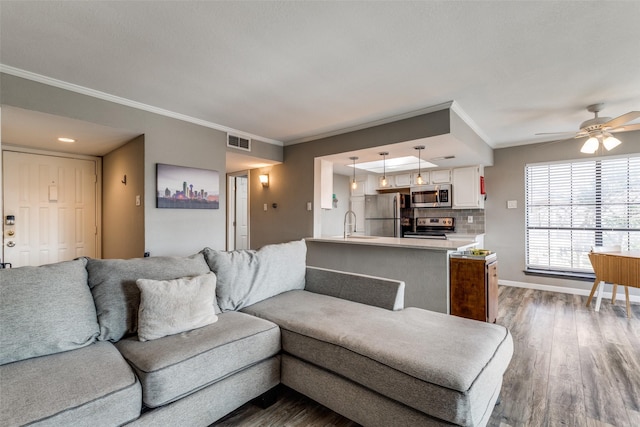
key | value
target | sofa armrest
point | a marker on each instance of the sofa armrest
(376, 291)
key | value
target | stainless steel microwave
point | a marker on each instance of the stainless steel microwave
(431, 196)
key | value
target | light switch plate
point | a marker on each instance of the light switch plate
(512, 204)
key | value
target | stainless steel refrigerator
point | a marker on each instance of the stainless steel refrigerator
(382, 215)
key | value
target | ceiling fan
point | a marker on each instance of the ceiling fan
(600, 129)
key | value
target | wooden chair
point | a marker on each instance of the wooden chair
(596, 284)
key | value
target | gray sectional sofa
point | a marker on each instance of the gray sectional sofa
(163, 341)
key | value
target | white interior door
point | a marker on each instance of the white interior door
(242, 213)
(53, 200)
(231, 213)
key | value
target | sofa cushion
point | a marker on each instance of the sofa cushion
(169, 307)
(45, 310)
(247, 276)
(178, 365)
(445, 366)
(116, 295)
(91, 386)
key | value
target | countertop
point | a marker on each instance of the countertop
(461, 236)
(399, 242)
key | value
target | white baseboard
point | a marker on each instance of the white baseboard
(565, 290)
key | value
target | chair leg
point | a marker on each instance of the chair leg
(593, 290)
(600, 292)
(613, 293)
(626, 292)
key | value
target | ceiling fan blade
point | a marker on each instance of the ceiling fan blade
(621, 120)
(625, 128)
(556, 133)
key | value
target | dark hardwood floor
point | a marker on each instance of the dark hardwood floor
(571, 366)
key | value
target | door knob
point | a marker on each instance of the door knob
(11, 243)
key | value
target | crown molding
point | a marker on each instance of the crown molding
(128, 102)
(455, 107)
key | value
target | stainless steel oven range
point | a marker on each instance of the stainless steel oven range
(431, 228)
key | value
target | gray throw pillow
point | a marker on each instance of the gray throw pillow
(45, 310)
(116, 295)
(246, 277)
(168, 307)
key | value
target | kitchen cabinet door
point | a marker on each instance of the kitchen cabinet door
(466, 188)
(441, 177)
(403, 180)
(367, 184)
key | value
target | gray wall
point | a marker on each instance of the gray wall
(505, 228)
(167, 140)
(122, 221)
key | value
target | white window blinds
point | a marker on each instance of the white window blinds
(573, 206)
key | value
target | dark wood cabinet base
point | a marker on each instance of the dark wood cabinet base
(474, 288)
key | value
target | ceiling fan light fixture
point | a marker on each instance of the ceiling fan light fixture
(590, 146)
(610, 142)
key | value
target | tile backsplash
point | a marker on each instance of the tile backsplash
(460, 215)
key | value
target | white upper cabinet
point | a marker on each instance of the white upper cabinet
(466, 188)
(440, 176)
(403, 180)
(366, 184)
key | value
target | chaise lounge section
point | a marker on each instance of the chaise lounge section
(422, 368)
(342, 339)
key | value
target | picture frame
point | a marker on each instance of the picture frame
(181, 187)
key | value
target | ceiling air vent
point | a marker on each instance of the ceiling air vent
(238, 142)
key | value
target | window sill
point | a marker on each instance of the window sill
(585, 277)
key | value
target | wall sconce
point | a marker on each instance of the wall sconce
(264, 180)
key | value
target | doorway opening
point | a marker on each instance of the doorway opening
(238, 211)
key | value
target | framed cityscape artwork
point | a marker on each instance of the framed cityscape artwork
(180, 187)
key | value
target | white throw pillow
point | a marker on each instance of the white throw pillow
(168, 307)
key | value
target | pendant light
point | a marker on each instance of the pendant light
(354, 184)
(384, 168)
(419, 179)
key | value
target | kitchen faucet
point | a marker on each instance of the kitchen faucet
(346, 215)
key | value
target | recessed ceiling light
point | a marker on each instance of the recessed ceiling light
(62, 139)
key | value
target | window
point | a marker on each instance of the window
(572, 206)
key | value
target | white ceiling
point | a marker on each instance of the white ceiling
(39, 130)
(290, 71)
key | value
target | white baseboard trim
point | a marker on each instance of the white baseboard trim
(565, 290)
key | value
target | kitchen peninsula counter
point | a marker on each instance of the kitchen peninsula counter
(399, 242)
(423, 264)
